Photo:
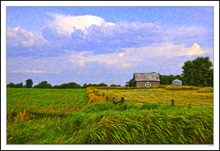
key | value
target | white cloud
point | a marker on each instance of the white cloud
(187, 30)
(68, 24)
(121, 54)
(196, 50)
(126, 65)
(81, 62)
(163, 49)
(132, 57)
(110, 60)
(18, 36)
(31, 71)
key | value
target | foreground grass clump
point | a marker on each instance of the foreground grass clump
(121, 124)
(132, 125)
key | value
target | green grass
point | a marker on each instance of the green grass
(100, 123)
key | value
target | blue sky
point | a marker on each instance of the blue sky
(103, 44)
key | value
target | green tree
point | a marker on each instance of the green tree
(56, 87)
(164, 79)
(29, 83)
(84, 85)
(170, 79)
(198, 72)
(178, 77)
(210, 78)
(131, 83)
(11, 85)
(67, 85)
(115, 85)
(19, 85)
(102, 84)
(43, 84)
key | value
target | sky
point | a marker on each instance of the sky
(104, 44)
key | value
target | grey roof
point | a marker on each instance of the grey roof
(146, 77)
(176, 80)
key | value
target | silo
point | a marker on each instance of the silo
(177, 82)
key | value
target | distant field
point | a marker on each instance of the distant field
(181, 97)
(67, 116)
(45, 99)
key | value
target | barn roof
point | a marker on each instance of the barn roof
(146, 77)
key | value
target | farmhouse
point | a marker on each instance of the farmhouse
(146, 79)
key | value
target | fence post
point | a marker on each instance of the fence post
(122, 100)
(114, 101)
(172, 101)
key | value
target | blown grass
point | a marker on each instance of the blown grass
(101, 122)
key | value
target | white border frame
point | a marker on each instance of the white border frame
(215, 4)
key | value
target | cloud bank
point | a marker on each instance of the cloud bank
(87, 47)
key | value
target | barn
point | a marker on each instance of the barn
(146, 79)
(177, 82)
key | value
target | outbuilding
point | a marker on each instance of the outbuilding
(177, 82)
(146, 79)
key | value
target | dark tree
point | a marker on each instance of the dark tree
(131, 83)
(56, 87)
(164, 79)
(114, 85)
(69, 85)
(210, 78)
(11, 85)
(102, 84)
(29, 83)
(19, 85)
(170, 79)
(84, 85)
(43, 84)
(198, 72)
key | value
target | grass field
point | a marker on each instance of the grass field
(192, 97)
(52, 116)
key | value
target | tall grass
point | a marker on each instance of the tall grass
(106, 123)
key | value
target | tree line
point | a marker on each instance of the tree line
(45, 84)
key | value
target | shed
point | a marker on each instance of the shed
(177, 82)
(146, 79)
